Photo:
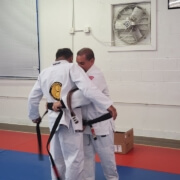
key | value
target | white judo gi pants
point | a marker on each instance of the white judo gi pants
(104, 147)
(66, 148)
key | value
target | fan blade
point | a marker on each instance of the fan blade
(136, 33)
(136, 14)
(122, 24)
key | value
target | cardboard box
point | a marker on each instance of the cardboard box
(123, 141)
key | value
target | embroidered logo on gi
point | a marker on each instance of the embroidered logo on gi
(55, 90)
(91, 77)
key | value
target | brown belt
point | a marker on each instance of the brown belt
(73, 115)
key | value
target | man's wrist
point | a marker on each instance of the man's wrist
(37, 120)
(50, 105)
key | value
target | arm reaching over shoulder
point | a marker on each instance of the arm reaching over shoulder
(77, 100)
(112, 111)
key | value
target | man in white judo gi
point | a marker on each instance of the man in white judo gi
(53, 83)
(104, 145)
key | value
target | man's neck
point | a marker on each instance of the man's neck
(60, 58)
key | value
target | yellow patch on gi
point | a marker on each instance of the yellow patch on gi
(55, 90)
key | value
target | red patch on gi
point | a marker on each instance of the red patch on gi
(91, 77)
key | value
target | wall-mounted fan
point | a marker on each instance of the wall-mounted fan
(132, 24)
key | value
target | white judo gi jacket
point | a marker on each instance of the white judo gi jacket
(70, 76)
(90, 110)
(93, 111)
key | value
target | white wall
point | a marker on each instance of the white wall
(145, 85)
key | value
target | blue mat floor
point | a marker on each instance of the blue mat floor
(16, 165)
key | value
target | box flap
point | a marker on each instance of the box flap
(123, 137)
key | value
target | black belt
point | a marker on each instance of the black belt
(38, 131)
(93, 121)
(99, 119)
(48, 142)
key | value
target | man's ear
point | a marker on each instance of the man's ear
(92, 60)
(70, 59)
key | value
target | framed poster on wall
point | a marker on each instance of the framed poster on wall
(173, 4)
